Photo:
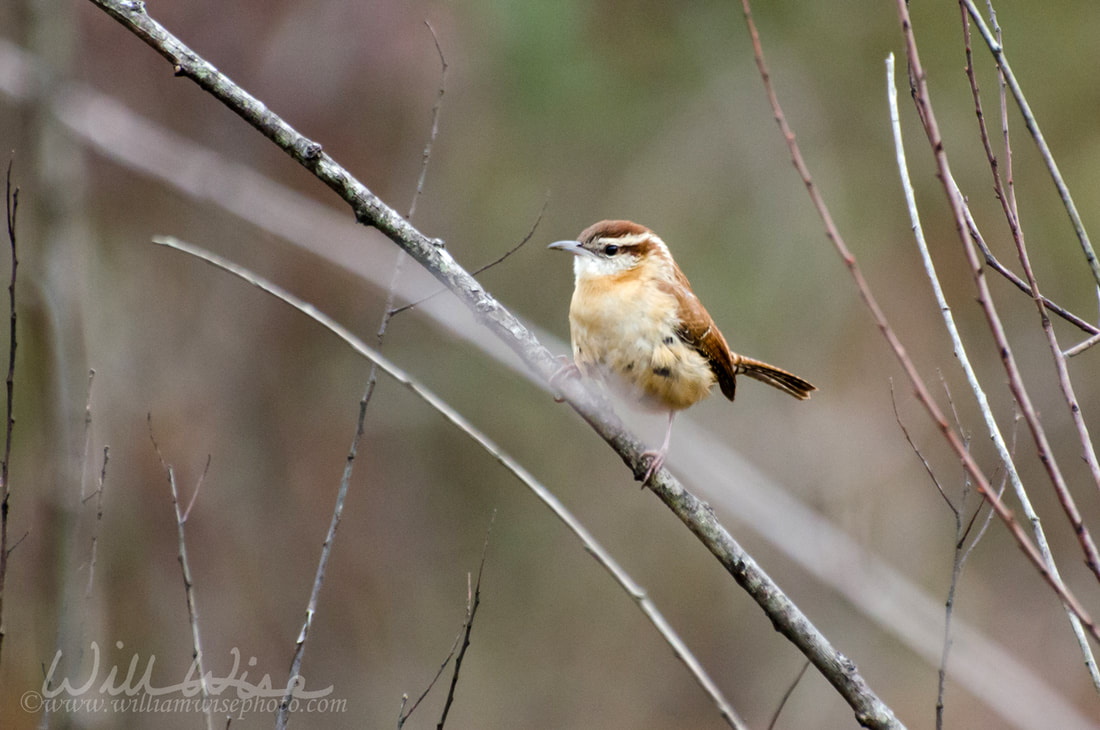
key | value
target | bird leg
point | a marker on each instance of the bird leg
(657, 458)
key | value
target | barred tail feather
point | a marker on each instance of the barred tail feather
(775, 377)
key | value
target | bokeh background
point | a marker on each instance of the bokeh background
(645, 110)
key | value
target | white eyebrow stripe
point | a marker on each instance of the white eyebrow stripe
(628, 240)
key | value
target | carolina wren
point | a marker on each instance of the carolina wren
(637, 325)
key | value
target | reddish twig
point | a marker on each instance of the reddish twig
(1032, 125)
(921, 99)
(1011, 212)
(922, 393)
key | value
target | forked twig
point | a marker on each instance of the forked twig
(188, 582)
(923, 395)
(996, 326)
(1033, 127)
(994, 430)
(473, 600)
(1008, 204)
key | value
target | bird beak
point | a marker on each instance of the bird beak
(573, 247)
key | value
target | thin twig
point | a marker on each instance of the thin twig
(472, 602)
(198, 486)
(1020, 284)
(282, 714)
(541, 492)
(927, 467)
(989, 519)
(949, 612)
(98, 494)
(437, 107)
(480, 269)
(964, 361)
(787, 695)
(87, 436)
(920, 96)
(403, 716)
(188, 583)
(997, 50)
(11, 198)
(473, 605)
(1008, 204)
(1082, 346)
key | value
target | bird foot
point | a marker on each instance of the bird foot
(656, 461)
(568, 369)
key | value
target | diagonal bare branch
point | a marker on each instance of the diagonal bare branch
(432, 254)
(597, 551)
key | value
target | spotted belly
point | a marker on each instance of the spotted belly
(660, 373)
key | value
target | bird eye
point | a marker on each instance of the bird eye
(611, 249)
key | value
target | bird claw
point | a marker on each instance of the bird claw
(568, 369)
(656, 461)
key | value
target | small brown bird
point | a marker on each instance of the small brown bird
(637, 325)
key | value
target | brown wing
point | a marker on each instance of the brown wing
(698, 330)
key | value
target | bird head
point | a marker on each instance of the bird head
(614, 247)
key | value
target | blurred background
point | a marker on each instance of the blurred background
(644, 110)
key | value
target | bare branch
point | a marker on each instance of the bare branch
(994, 430)
(473, 600)
(787, 695)
(1008, 203)
(997, 50)
(11, 198)
(464, 631)
(98, 494)
(985, 299)
(887, 331)
(1082, 346)
(188, 583)
(603, 557)
(282, 714)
